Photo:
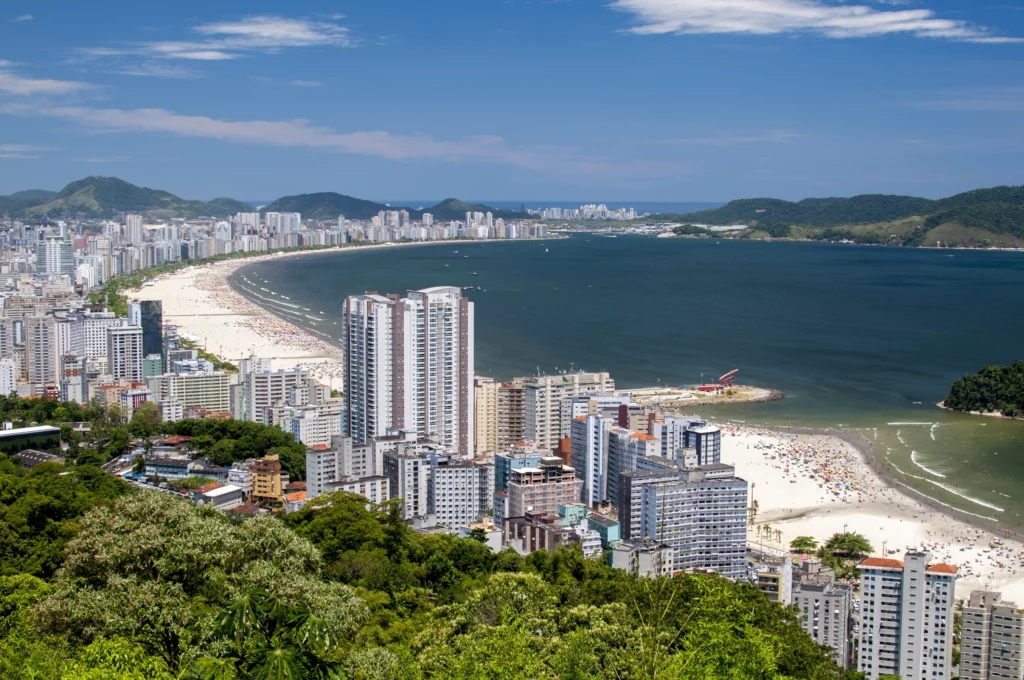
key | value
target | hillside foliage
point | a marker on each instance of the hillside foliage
(993, 388)
(148, 586)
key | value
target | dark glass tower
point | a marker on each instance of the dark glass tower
(152, 314)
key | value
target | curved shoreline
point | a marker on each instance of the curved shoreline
(866, 449)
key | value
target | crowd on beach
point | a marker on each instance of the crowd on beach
(846, 485)
(212, 280)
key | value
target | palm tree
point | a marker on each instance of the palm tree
(752, 512)
(271, 639)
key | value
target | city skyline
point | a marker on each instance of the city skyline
(633, 100)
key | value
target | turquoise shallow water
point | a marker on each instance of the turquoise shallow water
(853, 335)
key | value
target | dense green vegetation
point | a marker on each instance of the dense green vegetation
(980, 218)
(225, 441)
(992, 389)
(147, 586)
(328, 205)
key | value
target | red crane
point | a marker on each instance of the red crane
(729, 378)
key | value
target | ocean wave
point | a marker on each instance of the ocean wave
(912, 423)
(936, 500)
(900, 438)
(931, 432)
(913, 459)
(965, 496)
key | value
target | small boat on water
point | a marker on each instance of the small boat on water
(475, 274)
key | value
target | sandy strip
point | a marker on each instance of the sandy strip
(788, 473)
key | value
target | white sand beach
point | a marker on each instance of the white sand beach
(201, 304)
(788, 473)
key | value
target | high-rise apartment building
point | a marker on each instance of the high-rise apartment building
(56, 255)
(544, 396)
(485, 400)
(991, 631)
(134, 232)
(262, 391)
(124, 352)
(906, 618)
(511, 414)
(409, 365)
(702, 516)
(8, 377)
(148, 315)
(541, 489)
(210, 391)
(41, 358)
(824, 605)
(589, 441)
(457, 493)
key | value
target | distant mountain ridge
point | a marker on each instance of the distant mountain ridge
(105, 197)
(981, 217)
(329, 205)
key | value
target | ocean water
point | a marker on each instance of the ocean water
(864, 338)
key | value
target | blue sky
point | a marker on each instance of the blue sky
(667, 100)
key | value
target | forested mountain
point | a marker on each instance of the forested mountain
(327, 205)
(983, 217)
(105, 197)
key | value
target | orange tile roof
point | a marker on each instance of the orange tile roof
(645, 437)
(319, 447)
(942, 568)
(209, 487)
(580, 418)
(881, 562)
(297, 496)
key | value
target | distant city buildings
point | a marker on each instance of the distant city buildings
(590, 212)
(990, 638)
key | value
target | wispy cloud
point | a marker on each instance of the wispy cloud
(226, 40)
(777, 17)
(11, 83)
(288, 83)
(23, 17)
(20, 151)
(376, 143)
(773, 137)
(991, 99)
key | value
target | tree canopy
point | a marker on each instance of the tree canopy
(993, 388)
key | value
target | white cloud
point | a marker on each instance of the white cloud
(376, 143)
(775, 17)
(775, 136)
(20, 151)
(236, 39)
(985, 99)
(14, 84)
(23, 17)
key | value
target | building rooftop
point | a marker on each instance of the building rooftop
(942, 568)
(642, 436)
(881, 562)
(222, 491)
(23, 431)
(30, 458)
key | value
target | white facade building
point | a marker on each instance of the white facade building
(409, 365)
(124, 352)
(906, 618)
(544, 397)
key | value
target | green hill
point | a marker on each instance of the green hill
(992, 389)
(982, 218)
(454, 209)
(327, 205)
(104, 197)
(33, 194)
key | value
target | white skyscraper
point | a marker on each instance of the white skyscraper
(544, 397)
(133, 230)
(906, 617)
(8, 376)
(124, 352)
(55, 255)
(409, 365)
(41, 349)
